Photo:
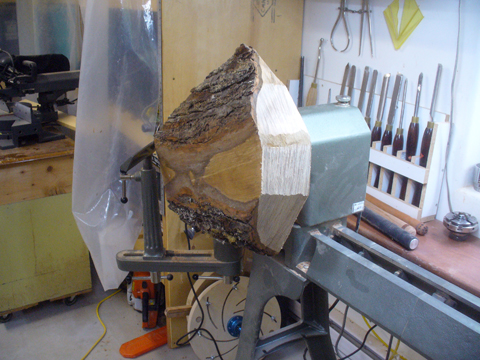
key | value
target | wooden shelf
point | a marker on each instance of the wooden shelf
(398, 169)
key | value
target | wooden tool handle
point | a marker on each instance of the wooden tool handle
(400, 223)
(426, 142)
(412, 138)
(419, 226)
(387, 136)
(376, 132)
(397, 142)
(397, 234)
(366, 230)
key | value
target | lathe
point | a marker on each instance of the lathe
(321, 256)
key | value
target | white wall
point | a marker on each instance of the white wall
(433, 41)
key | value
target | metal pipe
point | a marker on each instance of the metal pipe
(152, 220)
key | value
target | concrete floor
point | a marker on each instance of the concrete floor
(53, 330)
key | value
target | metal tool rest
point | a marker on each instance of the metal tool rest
(225, 259)
(321, 256)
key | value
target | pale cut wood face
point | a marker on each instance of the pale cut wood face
(235, 154)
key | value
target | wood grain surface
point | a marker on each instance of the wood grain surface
(190, 28)
(36, 171)
(235, 156)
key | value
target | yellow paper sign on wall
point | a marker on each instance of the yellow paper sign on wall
(411, 17)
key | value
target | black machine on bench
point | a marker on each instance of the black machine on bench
(47, 75)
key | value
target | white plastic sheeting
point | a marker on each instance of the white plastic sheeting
(50, 26)
(117, 104)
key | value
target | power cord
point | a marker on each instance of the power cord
(191, 334)
(452, 104)
(101, 322)
(333, 305)
(342, 330)
(389, 347)
(394, 351)
(361, 346)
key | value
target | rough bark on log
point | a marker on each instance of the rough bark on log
(235, 155)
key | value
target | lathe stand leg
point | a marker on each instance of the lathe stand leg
(269, 278)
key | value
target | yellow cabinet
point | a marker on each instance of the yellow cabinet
(42, 254)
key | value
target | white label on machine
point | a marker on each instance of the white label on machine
(358, 206)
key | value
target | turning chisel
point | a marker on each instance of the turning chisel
(412, 136)
(427, 135)
(427, 138)
(387, 134)
(345, 78)
(368, 112)
(351, 82)
(398, 139)
(363, 89)
(377, 130)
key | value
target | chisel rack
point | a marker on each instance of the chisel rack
(397, 169)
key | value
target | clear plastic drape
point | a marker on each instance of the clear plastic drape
(50, 26)
(115, 118)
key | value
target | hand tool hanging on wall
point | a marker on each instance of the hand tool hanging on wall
(365, 12)
(377, 129)
(387, 134)
(351, 82)
(427, 137)
(341, 17)
(412, 137)
(363, 89)
(344, 80)
(312, 93)
(373, 84)
(300, 83)
(398, 139)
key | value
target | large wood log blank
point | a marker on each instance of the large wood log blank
(235, 156)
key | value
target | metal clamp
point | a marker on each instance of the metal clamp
(154, 278)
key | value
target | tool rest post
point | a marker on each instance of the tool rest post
(151, 212)
(225, 252)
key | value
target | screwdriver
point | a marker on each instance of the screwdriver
(398, 140)
(412, 137)
(377, 130)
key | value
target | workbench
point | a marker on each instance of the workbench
(43, 255)
(454, 261)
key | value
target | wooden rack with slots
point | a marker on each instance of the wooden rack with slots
(398, 169)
